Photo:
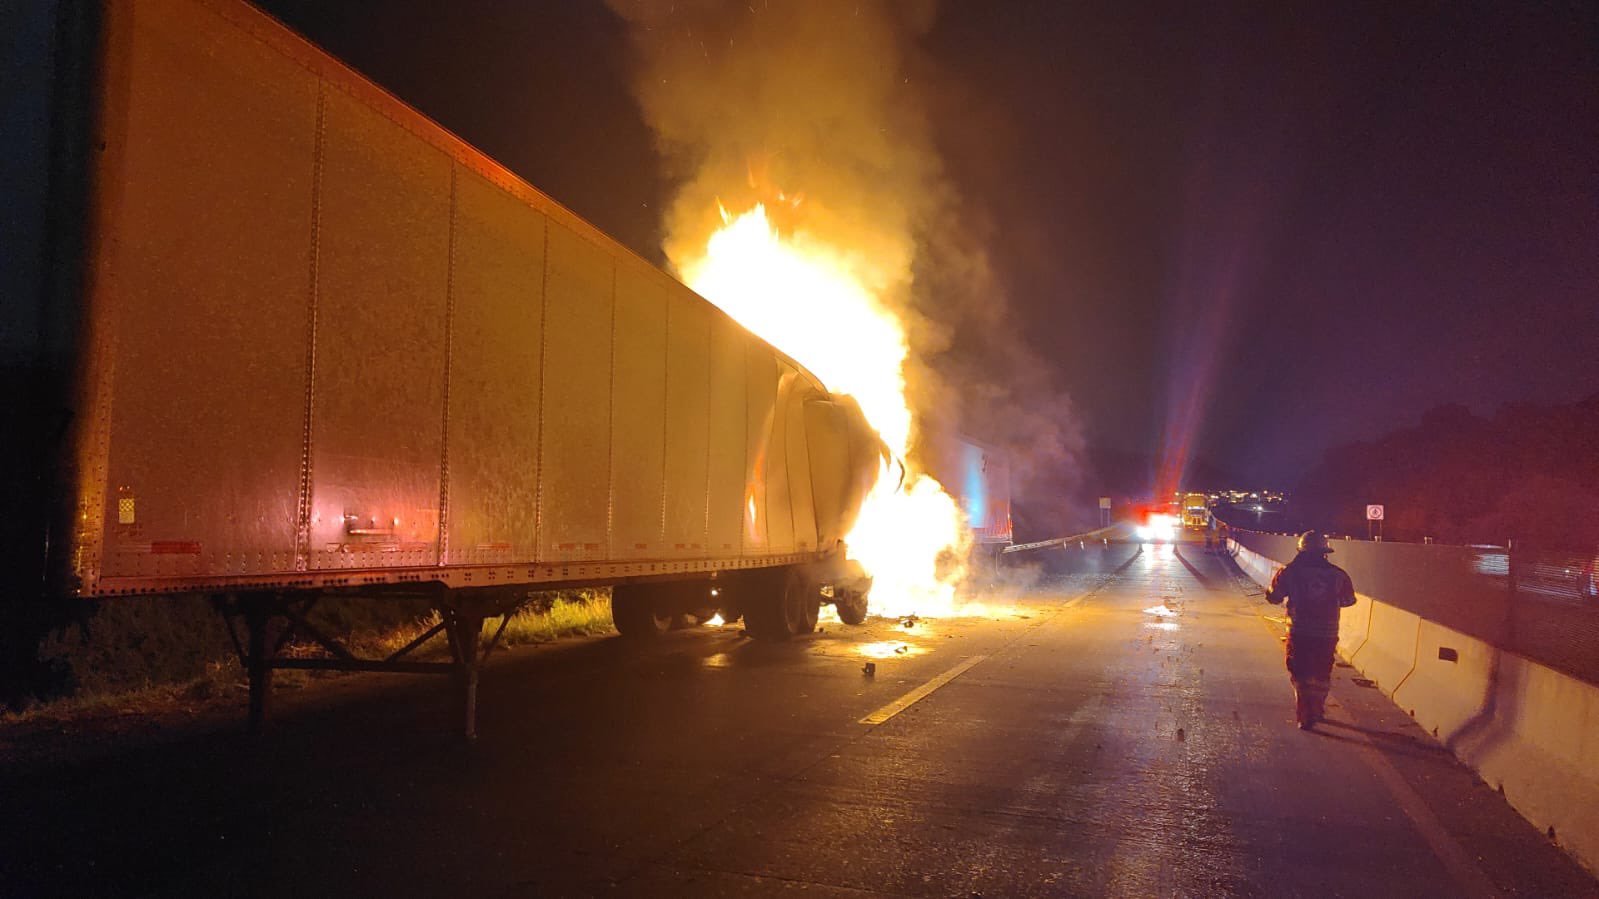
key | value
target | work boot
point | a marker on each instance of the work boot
(1318, 703)
(1304, 710)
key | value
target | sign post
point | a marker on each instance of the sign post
(1104, 511)
(1374, 516)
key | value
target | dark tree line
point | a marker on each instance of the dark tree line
(1528, 473)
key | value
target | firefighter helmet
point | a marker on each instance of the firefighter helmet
(1314, 541)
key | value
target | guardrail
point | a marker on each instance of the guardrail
(1096, 535)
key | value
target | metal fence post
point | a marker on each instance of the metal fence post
(1509, 634)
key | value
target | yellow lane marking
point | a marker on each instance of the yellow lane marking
(920, 693)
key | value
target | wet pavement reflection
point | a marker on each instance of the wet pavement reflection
(1119, 725)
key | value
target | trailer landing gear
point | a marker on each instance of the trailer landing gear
(272, 620)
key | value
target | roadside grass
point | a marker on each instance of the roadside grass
(545, 618)
(570, 614)
(142, 655)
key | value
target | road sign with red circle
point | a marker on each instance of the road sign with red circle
(1374, 513)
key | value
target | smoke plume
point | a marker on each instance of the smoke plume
(815, 109)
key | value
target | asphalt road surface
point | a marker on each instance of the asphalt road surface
(1124, 728)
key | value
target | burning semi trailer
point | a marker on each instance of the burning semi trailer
(314, 345)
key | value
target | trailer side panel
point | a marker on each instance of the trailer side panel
(727, 500)
(688, 460)
(207, 282)
(638, 421)
(491, 460)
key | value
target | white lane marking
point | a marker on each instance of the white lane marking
(920, 693)
(1466, 873)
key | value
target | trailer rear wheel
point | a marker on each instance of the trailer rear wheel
(636, 612)
(786, 606)
(802, 601)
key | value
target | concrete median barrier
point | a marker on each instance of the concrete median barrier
(1388, 654)
(1450, 684)
(1536, 739)
(1258, 567)
(1354, 626)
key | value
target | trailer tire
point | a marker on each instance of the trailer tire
(804, 608)
(786, 606)
(851, 606)
(636, 613)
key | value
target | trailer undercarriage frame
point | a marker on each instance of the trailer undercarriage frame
(272, 621)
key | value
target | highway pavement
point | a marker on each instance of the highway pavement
(1121, 727)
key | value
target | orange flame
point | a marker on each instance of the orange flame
(821, 305)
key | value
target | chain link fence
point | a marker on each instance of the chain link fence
(1541, 604)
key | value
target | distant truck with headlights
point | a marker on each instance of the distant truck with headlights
(1196, 510)
(297, 341)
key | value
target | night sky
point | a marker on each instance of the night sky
(1289, 228)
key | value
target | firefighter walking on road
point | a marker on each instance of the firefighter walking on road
(1316, 591)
